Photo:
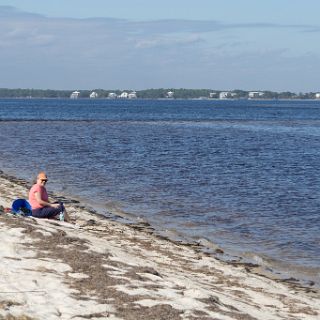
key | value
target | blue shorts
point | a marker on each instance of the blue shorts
(47, 212)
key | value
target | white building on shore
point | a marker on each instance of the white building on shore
(75, 95)
(132, 95)
(112, 95)
(317, 95)
(226, 95)
(255, 94)
(124, 95)
(170, 94)
(93, 95)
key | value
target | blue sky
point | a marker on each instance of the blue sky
(125, 44)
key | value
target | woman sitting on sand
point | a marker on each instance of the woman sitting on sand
(38, 198)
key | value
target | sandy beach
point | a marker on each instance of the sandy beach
(95, 268)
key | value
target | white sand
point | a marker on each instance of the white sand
(105, 270)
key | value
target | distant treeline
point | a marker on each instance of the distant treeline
(148, 93)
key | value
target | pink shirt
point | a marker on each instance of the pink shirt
(43, 195)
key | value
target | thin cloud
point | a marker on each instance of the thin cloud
(109, 52)
(23, 28)
(8, 13)
(157, 42)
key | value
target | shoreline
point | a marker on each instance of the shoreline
(97, 268)
(258, 264)
(161, 99)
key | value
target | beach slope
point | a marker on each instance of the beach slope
(94, 268)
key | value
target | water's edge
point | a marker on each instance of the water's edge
(252, 262)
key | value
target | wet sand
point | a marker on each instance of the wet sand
(95, 268)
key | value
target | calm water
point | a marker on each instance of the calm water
(242, 174)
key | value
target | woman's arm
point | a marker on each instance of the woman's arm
(44, 203)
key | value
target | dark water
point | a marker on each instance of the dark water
(242, 174)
